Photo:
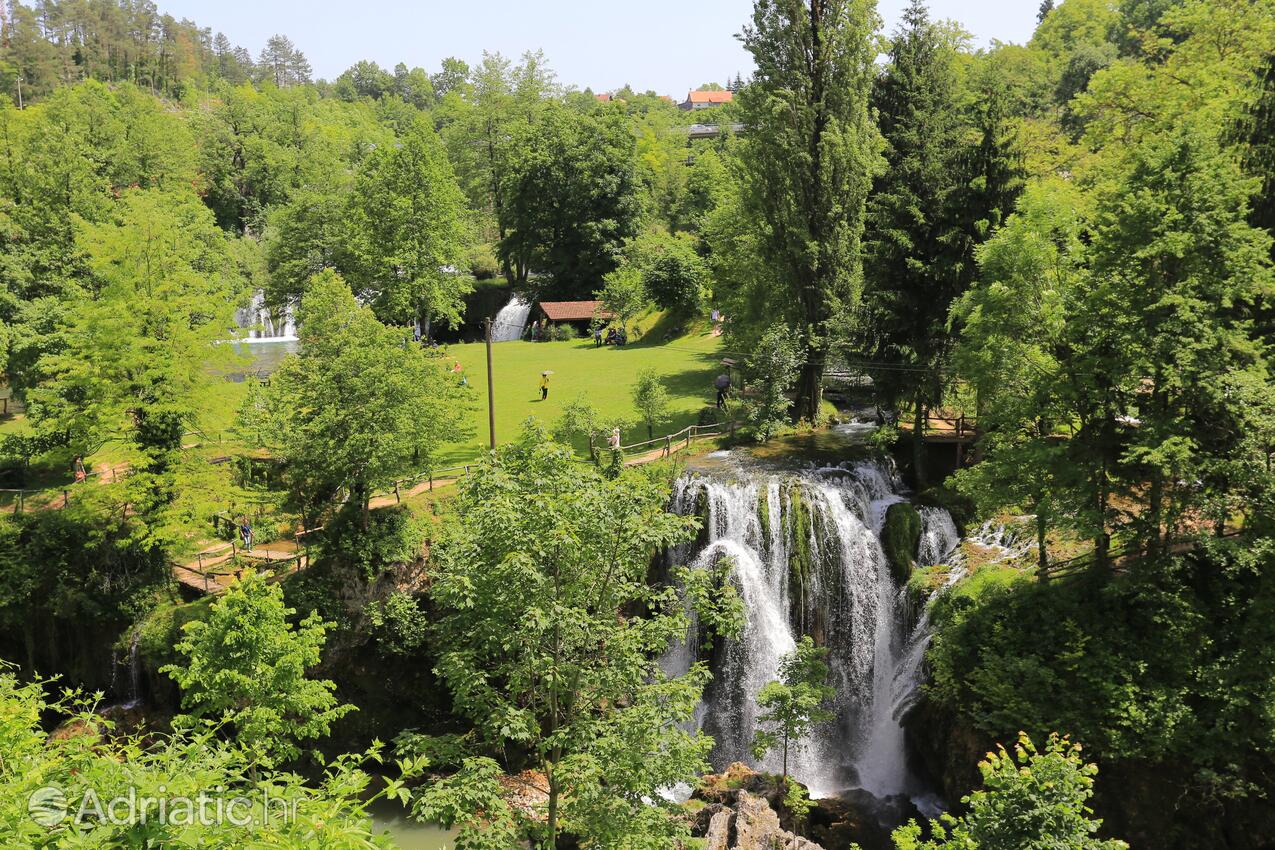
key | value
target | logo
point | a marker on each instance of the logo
(47, 806)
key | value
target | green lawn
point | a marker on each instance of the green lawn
(604, 376)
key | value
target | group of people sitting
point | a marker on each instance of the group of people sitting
(613, 337)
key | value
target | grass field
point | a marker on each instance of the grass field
(604, 376)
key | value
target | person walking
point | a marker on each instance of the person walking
(245, 531)
(723, 386)
(597, 337)
(544, 385)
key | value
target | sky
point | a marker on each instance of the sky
(669, 46)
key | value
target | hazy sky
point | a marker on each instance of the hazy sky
(666, 45)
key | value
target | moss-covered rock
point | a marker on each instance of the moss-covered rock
(797, 532)
(900, 538)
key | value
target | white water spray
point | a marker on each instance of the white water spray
(511, 320)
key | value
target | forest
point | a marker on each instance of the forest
(972, 544)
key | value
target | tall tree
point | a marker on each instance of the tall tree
(559, 554)
(807, 163)
(913, 240)
(570, 201)
(137, 356)
(1257, 139)
(358, 407)
(796, 702)
(282, 63)
(408, 217)
(1174, 256)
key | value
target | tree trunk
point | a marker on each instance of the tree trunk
(810, 386)
(1102, 540)
(551, 819)
(918, 440)
(1042, 556)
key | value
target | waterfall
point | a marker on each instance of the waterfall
(511, 320)
(133, 696)
(264, 324)
(939, 537)
(806, 559)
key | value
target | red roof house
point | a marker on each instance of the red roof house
(574, 311)
(707, 99)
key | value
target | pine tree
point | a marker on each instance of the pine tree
(914, 271)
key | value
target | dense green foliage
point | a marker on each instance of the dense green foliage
(1068, 242)
(73, 779)
(245, 665)
(1143, 669)
(563, 552)
(570, 200)
(806, 165)
(1030, 800)
(357, 408)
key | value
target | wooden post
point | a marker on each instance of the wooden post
(66, 498)
(398, 497)
(668, 445)
(431, 480)
(491, 391)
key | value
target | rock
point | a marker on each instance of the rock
(702, 819)
(717, 836)
(900, 537)
(857, 817)
(757, 827)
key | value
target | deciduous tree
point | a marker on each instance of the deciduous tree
(807, 162)
(247, 664)
(558, 553)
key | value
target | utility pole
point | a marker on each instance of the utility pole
(491, 392)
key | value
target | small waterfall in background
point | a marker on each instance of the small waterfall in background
(807, 560)
(511, 320)
(265, 324)
(128, 693)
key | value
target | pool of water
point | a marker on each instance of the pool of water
(408, 834)
(263, 357)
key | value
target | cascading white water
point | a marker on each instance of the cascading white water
(263, 324)
(939, 537)
(511, 320)
(806, 559)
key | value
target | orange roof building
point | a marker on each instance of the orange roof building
(707, 99)
(574, 311)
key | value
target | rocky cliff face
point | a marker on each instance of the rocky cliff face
(751, 825)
